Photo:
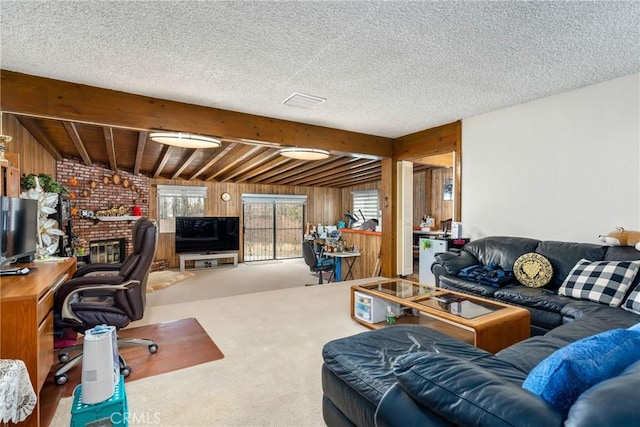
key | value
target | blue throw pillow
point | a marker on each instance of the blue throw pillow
(563, 376)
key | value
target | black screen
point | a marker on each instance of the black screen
(207, 234)
(19, 222)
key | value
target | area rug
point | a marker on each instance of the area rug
(181, 344)
(163, 279)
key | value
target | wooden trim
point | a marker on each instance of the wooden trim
(42, 97)
(369, 233)
(435, 141)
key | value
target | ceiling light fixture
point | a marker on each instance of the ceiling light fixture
(304, 153)
(185, 140)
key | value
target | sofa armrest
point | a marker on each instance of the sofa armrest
(612, 402)
(453, 262)
(398, 409)
(465, 393)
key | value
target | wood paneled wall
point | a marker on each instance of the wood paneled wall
(323, 205)
(428, 195)
(369, 245)
(345, 202)
(33, 157)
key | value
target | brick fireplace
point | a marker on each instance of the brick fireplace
(93, 190)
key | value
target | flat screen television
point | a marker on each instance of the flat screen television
(207, 234)
(19, 223)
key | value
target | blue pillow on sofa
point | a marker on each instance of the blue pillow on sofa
(563, 376)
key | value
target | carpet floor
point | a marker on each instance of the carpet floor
(270, 375)
(181, 344)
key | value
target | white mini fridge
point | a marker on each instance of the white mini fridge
(428, 249)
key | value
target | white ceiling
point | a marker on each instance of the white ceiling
(385, 68)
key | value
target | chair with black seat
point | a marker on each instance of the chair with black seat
(317, 263)
(111, 294)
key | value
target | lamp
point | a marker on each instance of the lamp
(185, 140)
(304, 153)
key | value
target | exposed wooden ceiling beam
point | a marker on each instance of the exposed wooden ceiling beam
(349, 182)
(142, 141)
(253, 163)
(39, 96)
(226, 149)
(77, 142)
(305, 166)
(187, 162)
(315, 169)
(287, 166)
(35, 130)
(236, 161)
(335, 172)
(352, 175)
(164, 158)
(111, 149)
(271, 166)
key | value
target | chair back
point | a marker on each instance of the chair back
(309, 255)
(137, 266)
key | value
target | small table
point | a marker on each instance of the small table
(349, 257)
(486, 324)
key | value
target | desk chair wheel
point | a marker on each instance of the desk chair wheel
(125, 371)
(63, 357)
(61, 379)
(153, 348)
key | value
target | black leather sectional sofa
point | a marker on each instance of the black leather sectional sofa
(415, 376)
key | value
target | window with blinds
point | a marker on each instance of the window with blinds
(178, 200)
(365, 202)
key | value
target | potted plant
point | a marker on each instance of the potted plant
(48, 184)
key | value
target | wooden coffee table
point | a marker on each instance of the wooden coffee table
(487, 324)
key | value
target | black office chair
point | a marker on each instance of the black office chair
(316, 263)
(111, 294)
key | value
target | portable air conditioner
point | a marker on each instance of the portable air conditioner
(100, 364)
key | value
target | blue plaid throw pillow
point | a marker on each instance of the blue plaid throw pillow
(605, 282)
(632, 303)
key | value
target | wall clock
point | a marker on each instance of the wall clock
(225, 196)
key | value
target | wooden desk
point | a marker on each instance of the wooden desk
(26, 321)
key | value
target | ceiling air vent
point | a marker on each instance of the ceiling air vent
(303, 101)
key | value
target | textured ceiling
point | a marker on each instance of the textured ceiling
(385, 68)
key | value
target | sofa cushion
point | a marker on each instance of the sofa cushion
(470, 393)
(567, 373)
(593, 407)
(632, 303)
(532, 297)
(604, 282)
(462, 285)
(502, 251)
(564, 255)
(364, 360)
(533, 270)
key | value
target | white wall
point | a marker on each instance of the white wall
(565, 167)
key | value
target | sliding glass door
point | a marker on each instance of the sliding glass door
(273, 226)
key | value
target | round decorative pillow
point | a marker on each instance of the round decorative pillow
(533, 270)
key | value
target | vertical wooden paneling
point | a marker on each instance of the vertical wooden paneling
(421, 197)
(33, 158)
(441, 210)
(322, 206)
(346, 195)
(369, 245)
(439, 140)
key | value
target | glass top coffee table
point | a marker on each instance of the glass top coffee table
(487, 324)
